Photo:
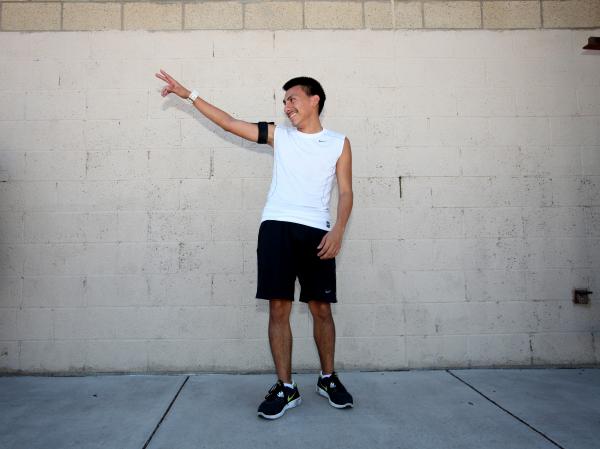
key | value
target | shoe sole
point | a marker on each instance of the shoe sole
(295, 403)
(323, 393)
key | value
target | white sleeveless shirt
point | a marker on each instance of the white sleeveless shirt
(303, 174)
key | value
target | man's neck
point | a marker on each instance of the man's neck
(312, 127)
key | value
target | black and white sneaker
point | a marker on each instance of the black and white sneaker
(331, 388)
(278, 400)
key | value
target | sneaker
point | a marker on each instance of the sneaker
(332, 389)
(278, 400)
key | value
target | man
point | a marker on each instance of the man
(295, 237)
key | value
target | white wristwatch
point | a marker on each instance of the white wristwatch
(193, 95)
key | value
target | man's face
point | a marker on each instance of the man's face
(297, 105)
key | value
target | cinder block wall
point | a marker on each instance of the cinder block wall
(128, 223)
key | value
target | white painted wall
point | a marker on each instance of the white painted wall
(128, 226)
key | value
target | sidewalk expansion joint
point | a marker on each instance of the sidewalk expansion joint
(505, 410)
(165, 413)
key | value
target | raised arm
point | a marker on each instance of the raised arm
(245, 130)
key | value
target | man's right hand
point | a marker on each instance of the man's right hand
(172, 85)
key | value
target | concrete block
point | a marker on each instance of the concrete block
(179, 226)
(102, 291)
(554, 284)
(87, 323)
(152, 16)
(276, 15)
(502, 317)
(355, 255)
(557, 252)
(389, 320)
(571, 14)
(147, 258)
(442, 222)
(116, 165)
(515, 72)
(45, 227)
(416, 192)
(381, 223)
(8, 323)
(498, 350)
(12, 260)
(31, 16)
(555, 222)
(180, 164)
(212, 257)
(408, 14)
(13, 166)
(549, 161)
(11, 288)
(111, 104)
(499, 222)
(546, 101)
(588, 99)
(249, 254)
(511, 14)
(489, 285)
(233, 289)
(53, 105)
(91, 16)
(370, 285)
(132, 134)
(84, 195)
(204, 136)
(223, 15)
(520, 131)
(14, 45)
(355, 320)
(370, 352)
(70, 259)
(485, 101)
(180, 289)
(35, 324)
(378, 15)
(417, 254)
(333, 15)
(437, 318)
(592, 220)
(9, 356)
(430, 286)
(562, 348)
(148, 194)
(455, 14)
(376, 192)
(429, 351)
(12, 105)
(211, 194)
(236, 162)
(572, 191)
(52, 356)
(234, 225)
(574, 131)
(11, 227)
(494, 254)
(54, 165)
(132, 226)
(119, 356)
(37, 196)
(53, 291)
(492, 161)
(425, 101)
(254, 193)
(575, 318)
(42, 135)
(165, 44)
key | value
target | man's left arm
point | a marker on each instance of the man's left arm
(332, 241)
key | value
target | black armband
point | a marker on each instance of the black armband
(263, 131)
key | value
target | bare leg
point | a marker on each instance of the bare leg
(280, 337)
(324, 333)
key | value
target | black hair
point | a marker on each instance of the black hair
(310, 86)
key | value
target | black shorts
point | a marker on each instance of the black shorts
(286, 250)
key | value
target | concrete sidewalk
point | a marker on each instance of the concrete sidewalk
(478, 408)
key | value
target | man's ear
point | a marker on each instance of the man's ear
(314, 100)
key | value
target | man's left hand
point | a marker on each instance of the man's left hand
(330, 244)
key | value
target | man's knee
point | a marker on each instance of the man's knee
(279, 309)
(320, 310)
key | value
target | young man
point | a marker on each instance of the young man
(295, 237)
